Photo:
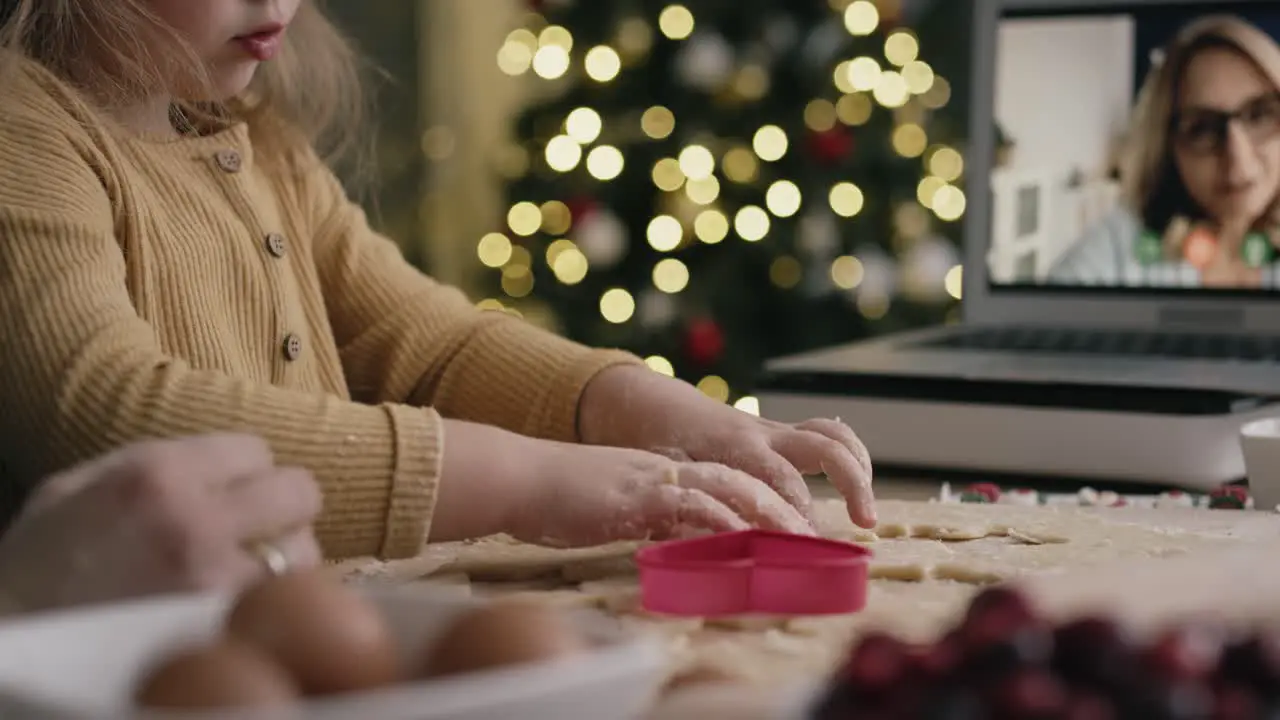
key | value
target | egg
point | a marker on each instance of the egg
(331, 639)
(505, 632)
(227, 674)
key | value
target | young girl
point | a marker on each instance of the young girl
(175, 258)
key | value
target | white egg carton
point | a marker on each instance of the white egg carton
(84, 665)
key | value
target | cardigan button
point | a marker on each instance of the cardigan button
(292, 347)
(229, 161)
(275, 245)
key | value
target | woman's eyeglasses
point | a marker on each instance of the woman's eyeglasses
(1203, 131)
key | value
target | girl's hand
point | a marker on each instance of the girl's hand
(635, 407)
(158, 517)
(584, 495)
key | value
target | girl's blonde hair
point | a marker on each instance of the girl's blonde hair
(103, 48)
(1152, 186)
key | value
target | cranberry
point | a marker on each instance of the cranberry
(1185, 653)
(1030, 694)
(1254, 662)
(876, 664)
(1089, 706)
(995, 614)
(1092, 651)
(940, 659)
(1234, 702)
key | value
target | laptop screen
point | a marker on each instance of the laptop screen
(1138, 148)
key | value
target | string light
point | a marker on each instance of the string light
(751, 82)
(873, 306)
(714, 387)
(617, 305)
(938, 95)
(556, 36)
(570, 266)
(556, 217)
(783, 198)
(602, 63)
(901, 47)
(846, 199)
(711, 226)
(703, 191)
(946, 163)
(909, 140)
(820, 115)
(840, 76)
(517, 280)
(515, 56)
(583, 125)
(847, 272)
(660, 365)
(785, 272)
(954, 282)
(494, 250)
(563, 153)
(861, 17)
(770, 143)
(891, 89)
(863, 74)
(551, 62)
(605, 162)
(676, 22)
(740, 165)
(751, 223)
(854, 109)
(658, 122)
(697, 162)
(491, 305)
(928, 188)
(949, 203)
(919, 77)
(664, 233)
(556, 247)
(635, 37)
(667, 175)
(670, 276)
(520, 257)
(748, 404)
(524, 218)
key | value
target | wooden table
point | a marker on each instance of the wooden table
(1147, 566)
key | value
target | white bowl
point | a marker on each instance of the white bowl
(1260, 441)
(85, 664)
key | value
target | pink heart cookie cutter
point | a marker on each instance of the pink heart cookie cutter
(753, 571)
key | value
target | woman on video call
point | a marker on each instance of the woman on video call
(1200, 171)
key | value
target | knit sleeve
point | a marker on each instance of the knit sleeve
(81, 372)
(404, 337)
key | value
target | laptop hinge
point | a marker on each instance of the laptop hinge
(1199, 318)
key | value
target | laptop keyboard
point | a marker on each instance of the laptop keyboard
(1183, 346)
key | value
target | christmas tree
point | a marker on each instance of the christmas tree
(714, 184)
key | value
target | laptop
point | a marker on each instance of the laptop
(1121, 285)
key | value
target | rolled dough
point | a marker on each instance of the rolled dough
(929, 559)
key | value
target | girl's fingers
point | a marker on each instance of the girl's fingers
(761, 462)
(811, 451)
(672, 512)
(842, 434)
(750, 499)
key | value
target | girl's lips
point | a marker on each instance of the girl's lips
(262, 46)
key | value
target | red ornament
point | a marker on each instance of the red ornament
(990, 491)
(703, 342)
(580, 207)
(831, 146)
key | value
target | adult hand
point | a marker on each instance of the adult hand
(162, 516)
(634, 407)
